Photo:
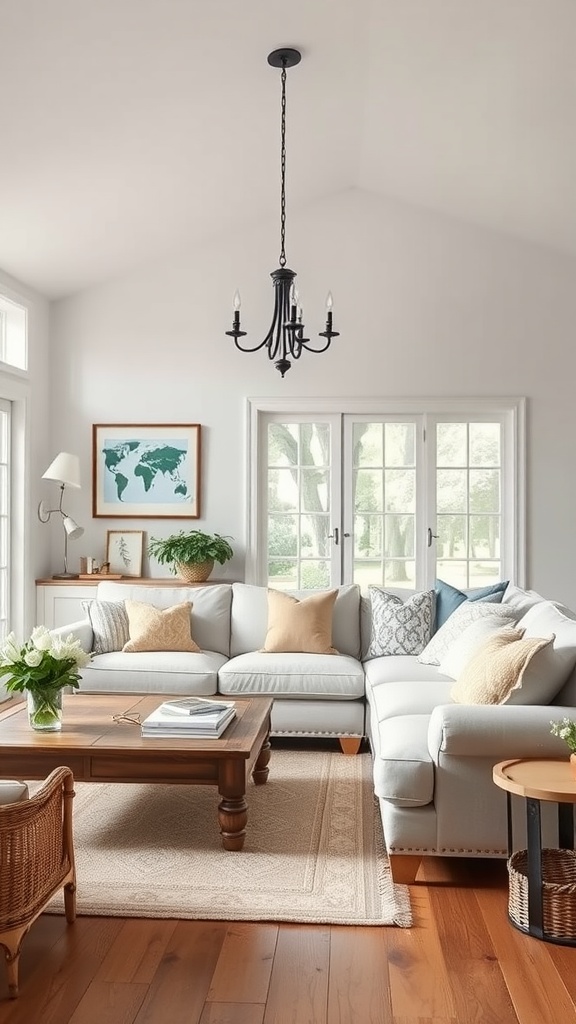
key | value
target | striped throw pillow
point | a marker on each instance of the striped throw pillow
(110, 627)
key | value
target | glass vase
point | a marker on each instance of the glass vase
(45, 710)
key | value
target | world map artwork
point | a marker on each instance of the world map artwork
(149, 471)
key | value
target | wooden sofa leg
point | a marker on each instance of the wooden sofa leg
(350, 744)
(404, 867)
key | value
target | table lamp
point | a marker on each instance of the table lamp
(65, 469)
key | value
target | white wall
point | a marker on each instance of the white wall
(425, 306)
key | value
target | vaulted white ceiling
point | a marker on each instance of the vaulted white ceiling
(130, 129)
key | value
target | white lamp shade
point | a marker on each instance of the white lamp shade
(72, 529)
(65, 469)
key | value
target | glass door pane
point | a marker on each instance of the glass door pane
(383, 499)
(468, 503)
(300, 479)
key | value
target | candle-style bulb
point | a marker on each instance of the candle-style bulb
(329, 302)
(237, 299)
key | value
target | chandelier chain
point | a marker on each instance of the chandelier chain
(283, 172)
(286, 339)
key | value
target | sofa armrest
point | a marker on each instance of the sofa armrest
(499, 731)
(82, 630)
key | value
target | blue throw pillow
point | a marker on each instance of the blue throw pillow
(449, 598)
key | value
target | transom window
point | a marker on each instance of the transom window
(13, 333)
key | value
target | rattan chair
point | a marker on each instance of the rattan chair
(36, 859)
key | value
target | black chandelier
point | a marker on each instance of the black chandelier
(285, 337)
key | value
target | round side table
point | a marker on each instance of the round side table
(537, 780)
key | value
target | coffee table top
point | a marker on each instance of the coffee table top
(538, 778)
(88, 723)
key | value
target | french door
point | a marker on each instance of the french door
(387, 497)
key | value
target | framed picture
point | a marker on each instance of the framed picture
(142, 471)
(124, 551)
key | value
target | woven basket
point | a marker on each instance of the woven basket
(195, 572)
(558, 892)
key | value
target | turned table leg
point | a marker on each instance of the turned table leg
(260, 771)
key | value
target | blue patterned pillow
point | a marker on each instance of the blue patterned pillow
(449, 598)
(400, 627)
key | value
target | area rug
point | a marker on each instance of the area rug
(314, 851)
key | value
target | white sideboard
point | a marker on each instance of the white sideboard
(59, 602)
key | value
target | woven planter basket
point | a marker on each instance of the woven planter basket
(195, 572)
(558, 892)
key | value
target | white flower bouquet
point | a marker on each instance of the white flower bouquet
(42, 666)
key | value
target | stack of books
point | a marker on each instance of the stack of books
(194, 717)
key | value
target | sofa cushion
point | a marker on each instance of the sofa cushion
(469, 643)
(551, 668)
(497, 668)
(109, 621)
(332, 676)
(401, 668)
(466, 613)
(400, 627)
(157, 629)
(520, 600)
(250, 618)
(170, 672)
(300, 626)
(11, 791)
(407, 698)
(403, 769)
(449, 598)
(210, 611)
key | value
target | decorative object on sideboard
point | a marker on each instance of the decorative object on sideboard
(65, 469)
(41, 667)
(285, 339)
(191, 554)
(146, 471)
(124, 552)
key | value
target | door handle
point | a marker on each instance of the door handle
(430, 536)
(335, 535)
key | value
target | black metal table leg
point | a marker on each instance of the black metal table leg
(566, 826)
(509, 821)
(534, 833)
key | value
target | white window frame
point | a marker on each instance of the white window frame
(511, 411)
(11, 305)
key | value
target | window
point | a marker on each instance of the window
(5, 517)
(386, 497)
(13, 333)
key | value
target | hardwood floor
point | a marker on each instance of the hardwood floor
(461, 963)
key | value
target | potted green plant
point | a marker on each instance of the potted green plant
(191, 554)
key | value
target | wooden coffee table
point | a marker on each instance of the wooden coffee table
(98, 749)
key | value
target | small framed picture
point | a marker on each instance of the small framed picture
(124, 551)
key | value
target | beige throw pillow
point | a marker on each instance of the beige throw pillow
(156, 629)
(497, 668)
(300, 627)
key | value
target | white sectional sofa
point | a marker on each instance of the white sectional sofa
(433, 758)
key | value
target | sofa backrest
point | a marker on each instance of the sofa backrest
(567, 695)
(250, 618)
(210, 608)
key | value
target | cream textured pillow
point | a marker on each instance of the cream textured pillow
(156, 629)
(300, 627)
(497, 668)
